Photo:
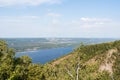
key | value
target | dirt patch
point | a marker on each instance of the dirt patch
(61, 59)
(107, 64)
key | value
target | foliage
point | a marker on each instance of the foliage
(79, 66)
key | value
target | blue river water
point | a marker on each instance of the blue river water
(46, 55)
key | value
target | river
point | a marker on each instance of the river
(46, 55)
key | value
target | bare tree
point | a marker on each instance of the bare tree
(77, 71)
(76, 77)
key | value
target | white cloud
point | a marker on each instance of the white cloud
(4, 3)
(95, 20)
(91, 22)
(53, 14)
(18, 18)
(30, 17)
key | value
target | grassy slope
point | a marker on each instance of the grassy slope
(100, 60)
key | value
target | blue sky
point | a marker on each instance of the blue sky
(60, 18)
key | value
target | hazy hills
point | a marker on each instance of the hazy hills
(29, 44)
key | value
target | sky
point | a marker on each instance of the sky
(60, 18)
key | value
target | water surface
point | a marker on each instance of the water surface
(46, 55)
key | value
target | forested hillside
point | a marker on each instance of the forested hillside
(88, 62)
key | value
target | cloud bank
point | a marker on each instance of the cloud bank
(4, 3)
(38, 26)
